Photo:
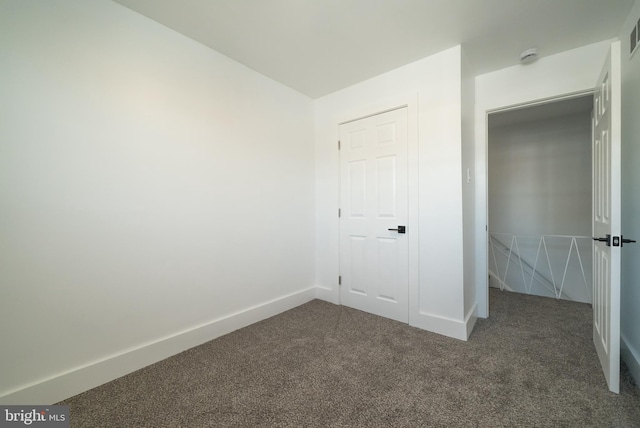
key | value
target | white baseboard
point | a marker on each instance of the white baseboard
(456, 329)
(80, 379)
(326, 294)
(631, 357)
(470, 320)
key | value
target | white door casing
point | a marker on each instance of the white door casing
(607, 217)
(373, 199)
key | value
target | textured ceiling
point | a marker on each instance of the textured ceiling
(320, 46)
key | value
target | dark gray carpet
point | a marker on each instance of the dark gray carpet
(532, 363)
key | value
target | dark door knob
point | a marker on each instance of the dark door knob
(618, 241)
(607, 240)
(400, 229)
(626, 241)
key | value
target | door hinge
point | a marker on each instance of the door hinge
(339, 213)
(338, 144)
(340, 280)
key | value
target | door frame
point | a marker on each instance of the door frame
(410, 101)
(570, 72)
(482, 218)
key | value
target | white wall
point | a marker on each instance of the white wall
(539, 179)
(468, 186)
(565, 73)
(630, 269)
(154, 194)
(432, 89)
(540, 176)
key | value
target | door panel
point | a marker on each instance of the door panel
(387, 198)
(358, 187)
(606, 217)
(388, 272)
(357, 264)
(373, 199)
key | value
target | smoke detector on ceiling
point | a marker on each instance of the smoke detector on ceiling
(529, 56)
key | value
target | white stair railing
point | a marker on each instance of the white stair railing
(497, 243)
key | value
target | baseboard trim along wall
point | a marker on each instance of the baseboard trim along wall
(326, 294)
(470, 320)
(457, 329)
(80, 379)
(631, 358)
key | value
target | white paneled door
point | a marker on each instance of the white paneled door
(606, 218)
(373, 220)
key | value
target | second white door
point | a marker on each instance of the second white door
(606, 217)
(374, 209)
